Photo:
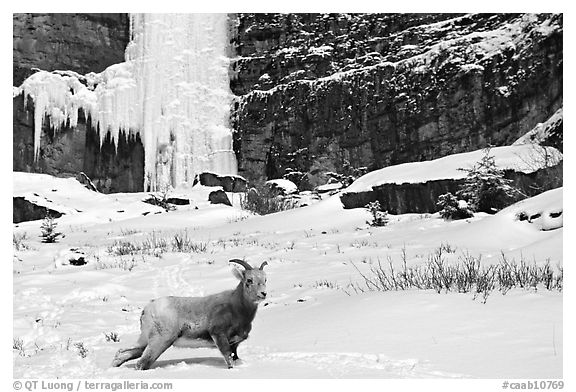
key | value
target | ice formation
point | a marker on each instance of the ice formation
(173, 89)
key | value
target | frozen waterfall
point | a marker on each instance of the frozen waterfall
(173, 89)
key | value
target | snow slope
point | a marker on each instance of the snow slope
(312, 326)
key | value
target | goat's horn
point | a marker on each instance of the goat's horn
(263, 264)
(242, 263)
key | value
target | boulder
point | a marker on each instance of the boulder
(219, 197)
(178, 201)
(229, 183)
(86, 181)
(24, 210)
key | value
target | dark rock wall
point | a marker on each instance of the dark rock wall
(61, 152)
(82, 43)
(77, 42)
(23, 135)
(278, 45)
(298, 110)
(114, 168)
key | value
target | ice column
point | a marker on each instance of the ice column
(180, 65)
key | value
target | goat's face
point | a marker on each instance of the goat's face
(253, 284)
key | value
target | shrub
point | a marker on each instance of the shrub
(18, 241)
(467, 275)
(112, 337)
(485, 188)
(122, 263)
(263, 202)
(160, 202)
(156, 245)
(18, 345)
(348, 174)
(379, 217)
(82, 350)
(452, 208)
(48, 228)
(123, 248)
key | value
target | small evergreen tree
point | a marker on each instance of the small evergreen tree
(379, 217)
(452, 208)
(48, 228)
(485, 188)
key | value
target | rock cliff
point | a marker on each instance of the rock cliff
(77, 42)
(321, 92)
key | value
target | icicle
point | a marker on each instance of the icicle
(56, 96)
(173, 89)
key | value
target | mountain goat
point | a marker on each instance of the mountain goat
(221, 320)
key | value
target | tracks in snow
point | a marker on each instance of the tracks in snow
(350, 364)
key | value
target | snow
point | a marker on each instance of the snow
(322, 51)
(173, 89)
(525, 158)
(544, 211)
(540, 131)
(305, 329)
(462, 204)
(80, 205)
(333, 186)
(471, 67)
(288, 186)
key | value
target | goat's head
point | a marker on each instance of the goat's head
(253, 280)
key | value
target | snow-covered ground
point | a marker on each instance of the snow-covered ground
(312, 325)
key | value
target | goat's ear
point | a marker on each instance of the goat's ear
(238, 273)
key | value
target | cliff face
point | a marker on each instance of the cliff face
(81, 43)
(323, 92)
(77, 42)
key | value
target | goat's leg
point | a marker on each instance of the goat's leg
(224, 346)
(156, 346)
(126, 354)
(234, 348)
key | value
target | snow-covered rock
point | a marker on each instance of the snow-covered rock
(524, 158)
(545, 211)
(286, 187)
